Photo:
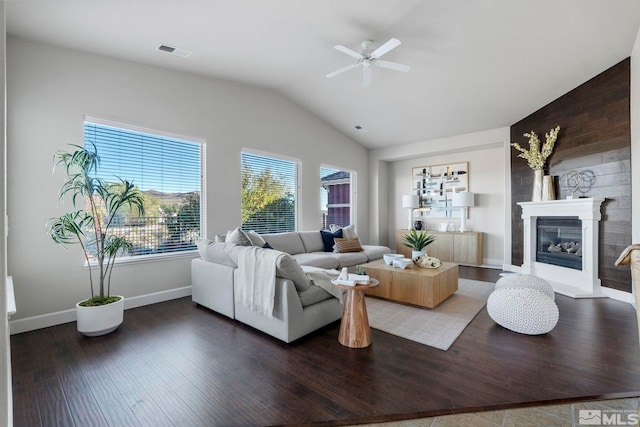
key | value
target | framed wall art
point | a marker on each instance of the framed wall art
(436, 184)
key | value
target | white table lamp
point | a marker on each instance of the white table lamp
(463, 200)
(410, 202)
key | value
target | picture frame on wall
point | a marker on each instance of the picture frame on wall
(436, 184)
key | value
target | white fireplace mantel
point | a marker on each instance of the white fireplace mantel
(583, 283)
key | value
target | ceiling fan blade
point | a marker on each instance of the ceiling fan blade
(391, 44)
(392, 65)
(366, 76)
(348, 51)
(342, 70)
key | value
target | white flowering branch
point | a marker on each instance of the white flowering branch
(536, 157)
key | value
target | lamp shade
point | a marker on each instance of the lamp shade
(410, 201)
(463, 199)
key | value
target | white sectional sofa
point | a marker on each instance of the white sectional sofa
(300, 306)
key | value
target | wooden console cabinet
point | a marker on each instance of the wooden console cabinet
(451, 246)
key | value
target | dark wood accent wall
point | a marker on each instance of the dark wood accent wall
(595, 137)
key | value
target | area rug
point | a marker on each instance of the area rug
(437, 327)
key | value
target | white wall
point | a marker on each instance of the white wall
(635, 139)
(488, 166)
(49, 91)
(6, 415)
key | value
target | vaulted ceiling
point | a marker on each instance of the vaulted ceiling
(475, 65)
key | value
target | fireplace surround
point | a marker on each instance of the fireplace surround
(561, 244)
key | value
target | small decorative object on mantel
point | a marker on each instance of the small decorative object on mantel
(577, 181)
(571, 181)
(548, 192)
(536, 157)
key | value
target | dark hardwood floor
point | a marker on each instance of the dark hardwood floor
(176, 364)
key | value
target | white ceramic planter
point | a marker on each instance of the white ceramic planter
(101, 320)
(415, 254)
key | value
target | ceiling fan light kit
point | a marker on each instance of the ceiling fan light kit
(368, 59)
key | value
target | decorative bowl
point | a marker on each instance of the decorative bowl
(388, 258)
(402, 262)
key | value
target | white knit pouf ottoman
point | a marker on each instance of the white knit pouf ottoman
(526, 281)
(523, 310)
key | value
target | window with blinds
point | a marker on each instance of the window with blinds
(335, 197)
(269, 193)
(168, 171)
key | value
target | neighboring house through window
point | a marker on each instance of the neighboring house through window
(168, 171)
(336, 196)
(269, 193)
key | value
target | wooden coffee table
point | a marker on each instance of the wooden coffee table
(425, 287)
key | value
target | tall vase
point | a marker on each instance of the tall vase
(548, 192)
(536, 196)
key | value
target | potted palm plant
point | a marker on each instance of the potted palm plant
(98, 207)
(417, 241)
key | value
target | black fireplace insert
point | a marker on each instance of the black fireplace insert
(559, 241)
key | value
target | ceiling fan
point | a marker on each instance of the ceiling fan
(368, 58)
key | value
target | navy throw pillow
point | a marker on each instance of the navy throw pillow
(327, 239)
(267, 245)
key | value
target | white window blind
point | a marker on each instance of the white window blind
(336, 197)
(168, 172)
(269, 193)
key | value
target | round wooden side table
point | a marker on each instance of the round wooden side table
(354, 326)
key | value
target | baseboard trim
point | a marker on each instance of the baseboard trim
(58, 318)
(618, 295)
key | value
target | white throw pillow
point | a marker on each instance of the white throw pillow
(218, 252)
(348, 232)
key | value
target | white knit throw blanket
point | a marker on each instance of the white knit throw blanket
(322, 277)
(256, 278)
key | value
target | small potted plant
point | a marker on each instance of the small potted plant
(417, 241)
(98, 205)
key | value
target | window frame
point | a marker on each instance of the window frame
(202, 142)
(298, 178)
(353, 192)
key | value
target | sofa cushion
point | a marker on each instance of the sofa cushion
(238, 237)
(318, 259)
(288, 242)
(218, 252)
(347, 245)
(313, 295)
(288, 268)
(328, 239)
(312, 241)
(256, 239)
(351, 259)
(375, 252)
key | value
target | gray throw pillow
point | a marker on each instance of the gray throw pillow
(288, 268)
(256, 239)
(238, 237)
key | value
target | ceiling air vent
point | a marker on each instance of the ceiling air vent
(174, 50)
